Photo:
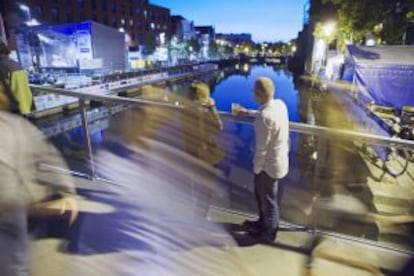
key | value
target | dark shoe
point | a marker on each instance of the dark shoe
(256, 224)
(267, 238)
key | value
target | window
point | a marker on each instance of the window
(93, 4)
(82, 16)
(138, 11)
(94, 16)
(81, 3)
(37, 13)
(114, 6)
(122, 9)
(104, 5)
(54, 15)
(69, 16)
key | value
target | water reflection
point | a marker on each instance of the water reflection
(234, 84)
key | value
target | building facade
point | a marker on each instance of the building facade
(182, 28)
(134, 17)
(206, 31)
(235, 39)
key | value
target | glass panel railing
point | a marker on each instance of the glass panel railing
(60, 118)
(335, 184)
(344, 182)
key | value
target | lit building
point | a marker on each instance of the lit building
(72, 47)
(182, 28)
(206, 31)
(236, 39)
(134, 17)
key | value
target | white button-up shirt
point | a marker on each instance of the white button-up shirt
(272, 140)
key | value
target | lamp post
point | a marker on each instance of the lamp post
(329, 29)
(27, 10)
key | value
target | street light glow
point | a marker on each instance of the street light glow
(329, 28)
(32, 22)
(27, 10)
(24, 8)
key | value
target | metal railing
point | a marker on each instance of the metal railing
(323, 133)
(302, 128)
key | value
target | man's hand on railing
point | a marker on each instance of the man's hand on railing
(238, 110)
(66, 205)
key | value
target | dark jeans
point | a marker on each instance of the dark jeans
(268, 199)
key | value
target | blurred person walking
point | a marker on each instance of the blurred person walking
(153, 175)
(201, 124)
(15, 83)
(26, 188)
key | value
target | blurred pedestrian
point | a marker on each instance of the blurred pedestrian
(15, 83)
(202, 124)
(27, 188)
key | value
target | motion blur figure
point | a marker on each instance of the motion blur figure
(156, 231)
(26, 188)
(15, 83)
(201, 125)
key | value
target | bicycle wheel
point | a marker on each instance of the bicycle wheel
(397, 162)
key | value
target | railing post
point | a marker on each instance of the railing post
(85, 127)
(318, 172)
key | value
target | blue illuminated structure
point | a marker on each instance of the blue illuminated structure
(80, 46)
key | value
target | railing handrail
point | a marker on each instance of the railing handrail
(319, 131)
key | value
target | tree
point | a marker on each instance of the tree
(212, 49)
(194, 44)
(150, 43)
(356, 19)
(228, 50)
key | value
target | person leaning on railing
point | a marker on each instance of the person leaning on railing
(271, 158)
(205, 124)
(15, 84)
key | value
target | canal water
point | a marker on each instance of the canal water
(239, 89)
(234, 84)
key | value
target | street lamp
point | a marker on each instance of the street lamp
(329, 28)
(27, 10)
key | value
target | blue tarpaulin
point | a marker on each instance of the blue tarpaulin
(383, 75)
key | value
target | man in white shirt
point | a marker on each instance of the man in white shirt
(271, 160)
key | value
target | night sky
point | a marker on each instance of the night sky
(266, 20)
